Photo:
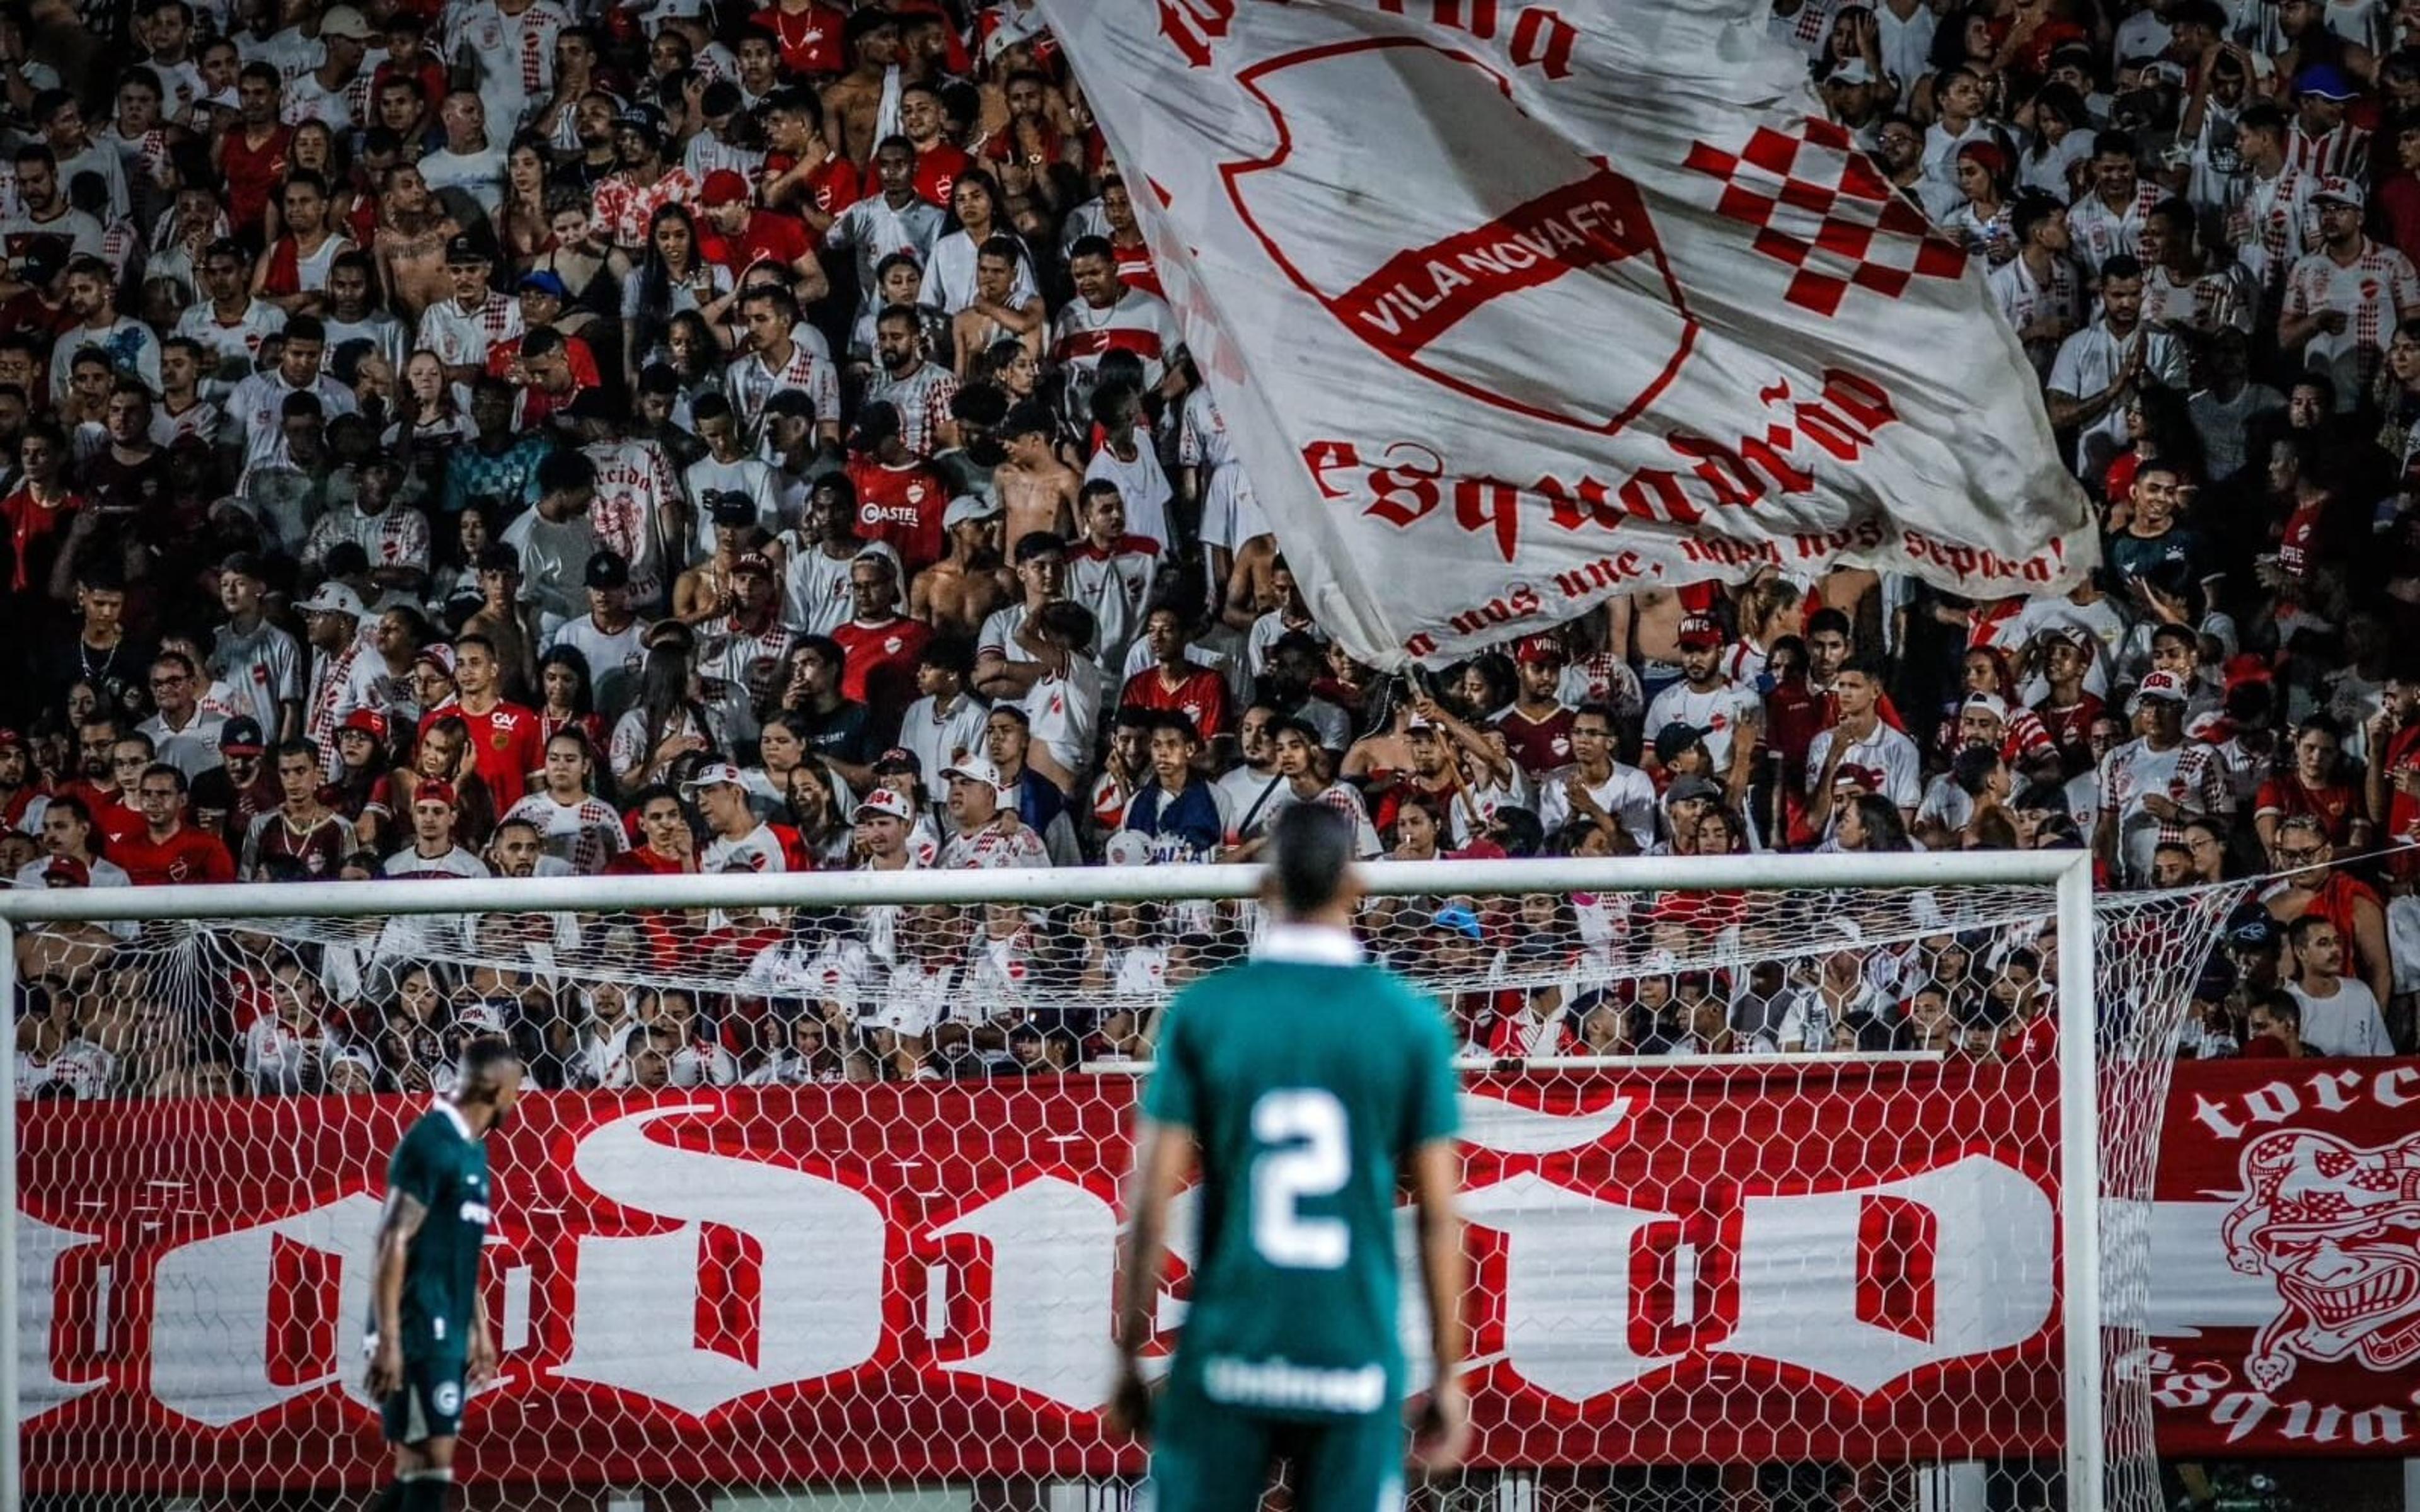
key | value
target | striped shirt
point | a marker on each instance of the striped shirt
(2342, 152)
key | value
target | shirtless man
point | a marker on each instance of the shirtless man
(954, 593)
(853, 103)
(499, 619)
(1251, 582)
(1037, 491)
(411, 242)
(703, 592)
(1648, 622)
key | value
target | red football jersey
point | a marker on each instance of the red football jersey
(901, 507)
(187, 856)
(506, 743)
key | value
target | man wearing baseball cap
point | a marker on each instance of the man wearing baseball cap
(610, 636)
(2152, 785)
(733, 233)
(739, 842)
(884, 821)
(1728, 717)
(742, 656)
(2343, 300)
(1537, 724)
(333, 617)
(461, 330)
(985, 833)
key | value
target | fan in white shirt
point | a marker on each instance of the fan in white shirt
(2340, 1015)
(1728, 717)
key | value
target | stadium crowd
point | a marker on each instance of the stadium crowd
(465, 438)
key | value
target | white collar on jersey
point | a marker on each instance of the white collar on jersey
(1313, 945)
(454, 1116)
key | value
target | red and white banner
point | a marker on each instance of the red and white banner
(2285, 1260)
(1698, 1264)
(1510, 307)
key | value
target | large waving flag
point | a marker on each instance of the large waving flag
(1513, 307)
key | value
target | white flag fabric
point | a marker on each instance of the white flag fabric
(1509, 308)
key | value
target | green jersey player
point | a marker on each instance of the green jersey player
(429, 1322)
(1306, 1083)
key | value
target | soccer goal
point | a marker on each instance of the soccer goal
(1809, 1179)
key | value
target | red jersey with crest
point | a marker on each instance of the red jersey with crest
(1537, 745)
(187, 856)
(901, 507)
(882, 671)
(2334, 805)
(1201, 696)
(506, 743)
(251, 172)
(809, 37)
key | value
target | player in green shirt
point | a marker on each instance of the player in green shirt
(429, 1320)
(1306, 1083)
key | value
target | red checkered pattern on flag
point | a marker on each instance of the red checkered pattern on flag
(1820, 206)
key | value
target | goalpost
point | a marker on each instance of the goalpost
(1895, 1266)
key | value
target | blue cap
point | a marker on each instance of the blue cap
(544, 283)
(2326, 81)
(1457, 918)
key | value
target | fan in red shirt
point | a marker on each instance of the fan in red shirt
(801, 170)
(506, 743)
(17, 789)
(2394, 774)
(1126, 246)
(1174, 682)
(665, 848)
(925, 125)
(169, 851)
(2069, 710)
(882, 645)
(899, 502)
(737, 235)
(36, 515)
(810, 35)
(2313, 786)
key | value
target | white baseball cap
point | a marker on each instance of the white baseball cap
(975, 769)
(712, 775)
(334, 598)
(884, 803)
(968, 506)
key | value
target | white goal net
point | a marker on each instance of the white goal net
(1768, 1172)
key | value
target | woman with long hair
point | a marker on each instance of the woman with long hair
(2054, 158)
(568, 697)
(523, 228)
(1869, 824)
(675, 278)
(456, 574)
(1010, 365)
(694, 353)
(666, 723)
(429, 422)
(974, 222)
(811, 796)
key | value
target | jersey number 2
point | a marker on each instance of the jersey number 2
(1302, 1149)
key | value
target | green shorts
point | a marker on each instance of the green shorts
(429, 1405)
(1208, 1458)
